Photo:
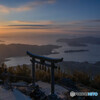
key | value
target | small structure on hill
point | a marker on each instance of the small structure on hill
(50, 62)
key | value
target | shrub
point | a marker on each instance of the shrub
(96, 82)
(81, 77)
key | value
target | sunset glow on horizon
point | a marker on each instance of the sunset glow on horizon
(49, 16)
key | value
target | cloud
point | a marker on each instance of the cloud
(18, 22)
(54, 26)
(96, 20)
(85, 22)
(26, 7)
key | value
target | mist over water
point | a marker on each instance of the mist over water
(39, 39)
(43, 39)
(34, 39)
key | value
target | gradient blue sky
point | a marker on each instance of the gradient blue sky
(76, 15)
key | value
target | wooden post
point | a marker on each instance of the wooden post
(33, 72)
(52, 78)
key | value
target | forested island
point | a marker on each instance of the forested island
(72, 51)
(81, 41)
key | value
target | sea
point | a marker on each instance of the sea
(44, 39)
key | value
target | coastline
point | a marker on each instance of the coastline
(19, 50)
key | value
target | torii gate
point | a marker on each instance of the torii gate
(43, 60)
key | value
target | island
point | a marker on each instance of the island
(72, 51)
(81, 41)
(19, 50)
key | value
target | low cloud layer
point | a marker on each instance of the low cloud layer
(18, 22)
(47, 26)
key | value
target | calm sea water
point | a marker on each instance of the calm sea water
(92, 56)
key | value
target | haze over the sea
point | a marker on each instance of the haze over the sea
(43, 22)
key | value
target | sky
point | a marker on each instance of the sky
(49, 16)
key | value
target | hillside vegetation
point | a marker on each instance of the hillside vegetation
(43, 73)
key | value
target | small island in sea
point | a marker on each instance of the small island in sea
(72, 51)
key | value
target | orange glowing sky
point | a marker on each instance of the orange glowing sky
(49, 16)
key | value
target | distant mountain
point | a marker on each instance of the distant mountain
(90, 68)
(82, 41)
